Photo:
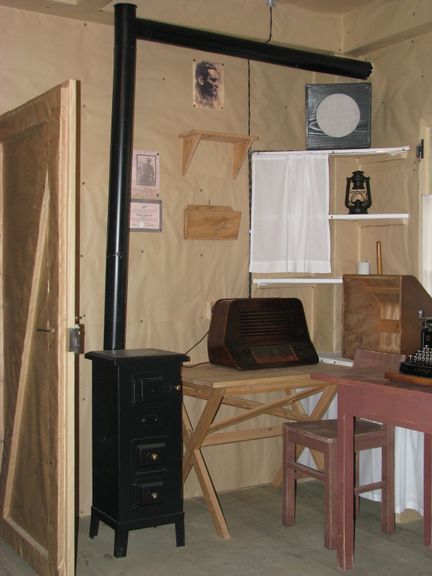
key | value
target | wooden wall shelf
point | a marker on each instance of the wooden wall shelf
(241, 145)
(271, 282)
(209, 222)
(364, 220)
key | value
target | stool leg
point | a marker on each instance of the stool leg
(289, 482)
(357, 482)
(330, 503)
(387, 492)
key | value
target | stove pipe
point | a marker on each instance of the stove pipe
(127, 30)
(122, 121)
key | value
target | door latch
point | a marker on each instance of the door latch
(76, 339)
(420, 150)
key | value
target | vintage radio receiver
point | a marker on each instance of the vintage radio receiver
(251, 333)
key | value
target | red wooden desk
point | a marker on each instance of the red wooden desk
(406, 403)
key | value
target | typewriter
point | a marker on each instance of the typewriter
(420, 363)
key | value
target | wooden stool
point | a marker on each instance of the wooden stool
(321, 436)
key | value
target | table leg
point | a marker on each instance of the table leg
(427, 479)
(324, 402)
(388, 499)
(209, 493)
(345, 458)
(200, 432)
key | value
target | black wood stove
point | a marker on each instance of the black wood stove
(137, 442)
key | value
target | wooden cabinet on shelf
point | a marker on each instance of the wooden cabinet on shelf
(354, 239)
(381, 312)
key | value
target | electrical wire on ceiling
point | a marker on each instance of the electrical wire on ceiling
(270, 24)
(271, 4)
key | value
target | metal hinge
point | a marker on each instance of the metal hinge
(420, 150)
(76, 339)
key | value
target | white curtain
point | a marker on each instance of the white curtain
(290, 202)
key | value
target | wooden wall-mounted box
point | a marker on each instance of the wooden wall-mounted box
(382, 313)
(207, 222)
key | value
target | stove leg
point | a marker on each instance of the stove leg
(180, 532)
(94, 525)
(120, 542)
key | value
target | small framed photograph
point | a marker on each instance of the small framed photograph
(145, 174)
(146, 215)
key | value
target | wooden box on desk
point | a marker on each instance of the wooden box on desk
(381, 312)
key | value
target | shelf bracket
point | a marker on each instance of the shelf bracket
(190, 144)
(241, 145)
(240, 150)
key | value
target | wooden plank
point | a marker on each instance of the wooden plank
(208, 489)
(266, 408)
(197, 436)
(265, 379)
(208, 222)
(247, 404)
(242, 435)
(64, 532)
(213, 136)
(30, 330)
(410, 378)
(388, 326)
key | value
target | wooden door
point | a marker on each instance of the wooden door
(37, 153)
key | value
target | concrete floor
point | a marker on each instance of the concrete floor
(260, 545)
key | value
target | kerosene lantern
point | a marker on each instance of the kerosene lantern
(358, 195)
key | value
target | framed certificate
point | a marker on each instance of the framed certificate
(146, 215)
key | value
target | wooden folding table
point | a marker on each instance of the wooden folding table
(220, 385)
